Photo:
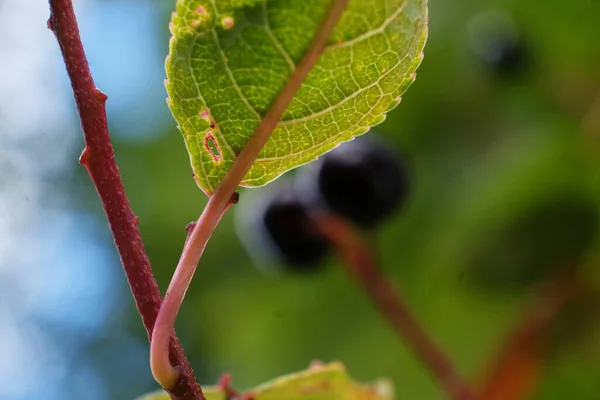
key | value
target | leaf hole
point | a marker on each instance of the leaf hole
(211, 144)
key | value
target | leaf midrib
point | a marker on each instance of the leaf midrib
(222, 139)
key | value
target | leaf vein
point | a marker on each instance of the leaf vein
(275, 41)
(380, 29)
(229, 72)
(344, 101)
(223, 141)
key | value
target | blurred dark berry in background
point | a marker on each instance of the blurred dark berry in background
(362, 180)
(497, 42)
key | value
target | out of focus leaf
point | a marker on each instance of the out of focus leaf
(318, 383)
(321, 382)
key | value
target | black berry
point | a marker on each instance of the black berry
(362, 180)
(504, 56)
(291, 231)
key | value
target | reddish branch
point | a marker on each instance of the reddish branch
(516, 369)
(99, 160)
(360, 263)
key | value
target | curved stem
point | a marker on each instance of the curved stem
(163, 371)
(360, 263)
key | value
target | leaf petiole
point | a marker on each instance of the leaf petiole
(162, 370)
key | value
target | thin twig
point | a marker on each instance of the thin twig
(98, 159)
(515, 371)
(360, 263)
(163, 371)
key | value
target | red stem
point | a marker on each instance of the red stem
(360, 263)
(99, 159)
(160, 364)
(516, 370)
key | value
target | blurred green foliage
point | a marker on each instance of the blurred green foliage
(506, 188)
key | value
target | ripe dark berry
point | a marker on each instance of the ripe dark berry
(362, 180)
(504, 56)
(280, 226)
(291, 230)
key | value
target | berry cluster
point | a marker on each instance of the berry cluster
(362, 181)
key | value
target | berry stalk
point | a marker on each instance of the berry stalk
(517, 368)
(164, 373)
(360, 264)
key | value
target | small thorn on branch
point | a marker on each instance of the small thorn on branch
(84, 158)
(100, 95)
(50, 23)
(235, 198)
(190, 227)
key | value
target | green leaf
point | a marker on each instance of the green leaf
(323, 382)
(380, 390)
(210, 393)
(230, 58)
(328, 382)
